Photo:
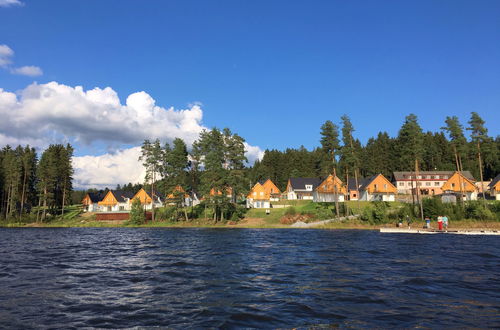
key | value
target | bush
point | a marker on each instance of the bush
(291, 211)
(477, 210)
(137, 216)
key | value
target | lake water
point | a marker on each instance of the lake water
(231, 278)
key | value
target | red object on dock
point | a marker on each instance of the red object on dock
(440, 224)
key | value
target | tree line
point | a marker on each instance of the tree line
(30, 184)
(452, 148)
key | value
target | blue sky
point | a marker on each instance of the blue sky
(273, 71)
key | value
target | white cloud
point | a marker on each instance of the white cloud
(6, 54)
(108, 170)
(29, 70)
(8, 3)
(53, 112)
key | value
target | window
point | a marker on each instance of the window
(401, 184)
(262, 193)
(255, 193)
(419, 177)
(122, 208)
(385, 185)
(375, 186)
(436, 183)
(453, 185)
(109, 208)
(432, 176)
(309, 187)
(427, 183)
(354, 195)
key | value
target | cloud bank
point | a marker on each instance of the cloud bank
(48, 113)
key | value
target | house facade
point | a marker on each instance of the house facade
(116, 201)
(272, 190)
(330, 190)
(494, 187)
(429, 182)
(301, 188)
(377, 188)
(459, 184)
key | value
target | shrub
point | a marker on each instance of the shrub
(291, 211)
(137, 216)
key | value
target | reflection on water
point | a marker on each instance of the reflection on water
(119, 278)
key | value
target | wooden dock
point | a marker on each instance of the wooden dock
(434, 231)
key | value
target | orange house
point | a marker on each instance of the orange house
(494, 187)
(115, 201)
(178, 191)
(332, 189)
(229, 192)
(258, 197)
(458, 184)
(377, 188)
(145, 199)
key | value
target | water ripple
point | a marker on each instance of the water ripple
(245, 278)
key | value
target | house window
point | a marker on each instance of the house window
(453, 185)
(354, 195)
(436, 183)
(309, 187)
(375, 186)
(401, 184)
(262, 193)
(122, 208)
(255, 193)
(385, 185)
(427, 183)
(109, 208)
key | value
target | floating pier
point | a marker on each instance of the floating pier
(434, 231)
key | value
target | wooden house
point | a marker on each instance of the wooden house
(115, 201)
(262, 194)
(332, 189)
(187, 199)
(301, 188)
(91, 200)
(494, 187)
(377, 188)
(353, 189)
(258, 197)
(457, 184)
(146, 200)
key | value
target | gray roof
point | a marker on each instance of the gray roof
(95, 197)
(405, 175)
(122, 195)
(300, 183)
(494, 181)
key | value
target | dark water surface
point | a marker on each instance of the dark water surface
(230, 278)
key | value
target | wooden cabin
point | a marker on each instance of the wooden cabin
(146, 200)
(258, 197)
(458, 184)
(218, 192)
(377, 188)
(262, 194)
(187, 199)
(429, 182)
(332, 189)
(494, 187)
(116, 201)
(301, 188)
(91, 200)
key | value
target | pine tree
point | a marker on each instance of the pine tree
(151, 157)
(330, 145)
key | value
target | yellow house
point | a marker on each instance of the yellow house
(115, 201)
(494, 187)
(458, 183)
(146, 200)
(332, 189)
(377, 188)
(91, 200)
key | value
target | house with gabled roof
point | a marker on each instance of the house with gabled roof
(91, 200)
(494, 187)
(457, 184)
(115, 201)
(353, 188)
(262, 194)
(377, 188)
(146, 200)
(331, 189)
(301, 188)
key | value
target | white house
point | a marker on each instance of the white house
(302, 188)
